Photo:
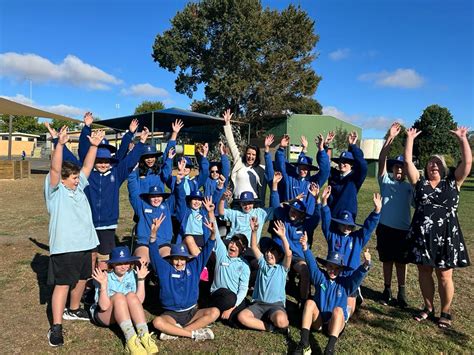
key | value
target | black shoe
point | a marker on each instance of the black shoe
(402, 298)
(386, 297)
(77, 314)
(55, 335)
(302, 349)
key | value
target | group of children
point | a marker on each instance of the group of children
(193, 229)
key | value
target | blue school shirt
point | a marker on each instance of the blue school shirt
(350, 245)
(396, 202)
(70, 218)
(115, 285)
(194, 223)
(330, 294)
(179, 290)
(270, 283)
(230, 273)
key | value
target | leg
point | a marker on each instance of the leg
(387, 273)
(76, 294)
(336, 325)
(280, 319)
(425, 279)
(202, 318)
(143, 253)
(58, 302)
(135, 308)
(445, 288)
(247, 318)
(167, 324)
(301, 269)
(311, 318)
(401, 273)
(351, 302)
(164, 251)
(191, 245)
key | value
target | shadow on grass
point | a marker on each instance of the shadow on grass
(39, 265)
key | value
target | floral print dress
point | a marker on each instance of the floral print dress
(435, 233)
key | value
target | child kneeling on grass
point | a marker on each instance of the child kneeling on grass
(328, 311)
(119, 296)
(269, 294)
(179, 289)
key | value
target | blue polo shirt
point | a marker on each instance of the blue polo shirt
(127, 284)
(194, 223)
(270, 283)
(396, 202)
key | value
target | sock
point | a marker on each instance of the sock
(387, 286)
(142, 329)
(331, 344)
(127, 329)
(304, 336)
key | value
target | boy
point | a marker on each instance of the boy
(268, 310)
(328, 310)
(179, 289)
(71, 232)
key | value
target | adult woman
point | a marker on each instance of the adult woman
(247, 174)
(435, 233)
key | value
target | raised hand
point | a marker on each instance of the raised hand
(460, 132)
(209, 224)
(208, 205)
(221, 182)
(352, 137)
(314, 189)
(300, 196)
(177, 125)
(367, 257)
(304, 143)
(51, 130)
(284, 141)
(100, 276)
(143, 271)
(277, 176)
(268, 142)
(63, 137)
(254, 223)
(326, 193)
(171, 153)
(377, 202)
(320, 141)
(96, 137)
(88, 119)
(279, 229)
(181, 167)
(329, 137)
(227, 116)
(412, 133)
(133, 125)
(205, 149)
(144, 135)
(394, 129)
(227, 195)
(304, 241)
(222, 148)
(156, 225)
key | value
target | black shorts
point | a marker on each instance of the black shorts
(198, 239)
(106, 240)
(223, 299)
(265, 310)
(181, 318)
(94, 311)
(392, 244)
(69, 268)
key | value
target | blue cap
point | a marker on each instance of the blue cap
(189, 163)
(104, 143)
(247, 197)
(104, 153)
(336, 258)
(345, 217)
(344, 156)
(298, 205)
(400, 159)
(155, 191)
(150, 150)
(195, 195)
(121, 255)
(305, 160)
(179, 250)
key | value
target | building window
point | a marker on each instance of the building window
(18, 138)
(31, 139)
(4, 138)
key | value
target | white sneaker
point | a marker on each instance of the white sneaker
(203, 334)
(164, 336)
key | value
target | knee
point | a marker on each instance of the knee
(337, 313)
(157, 323)
(243, 316)
(132, 298)
(214, 312)
(281, 320)
(309, 306)
(119, 299)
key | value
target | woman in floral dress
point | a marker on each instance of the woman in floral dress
(436, 237)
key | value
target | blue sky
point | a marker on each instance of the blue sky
(380, 60)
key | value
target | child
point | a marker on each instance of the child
(268, 310)
(118, 299)
(71, 233)
(343, 238)
(179, 289)
(328, 310)
(216, 170)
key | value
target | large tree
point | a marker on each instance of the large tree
(435, 123)
(148, 106)
(22, 124)
(255, 61)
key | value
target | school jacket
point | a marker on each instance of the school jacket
(330, 294)
(350, 245)
(210, 185)
(344, 189)
(179, 290)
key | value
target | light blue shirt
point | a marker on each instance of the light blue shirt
(270, 283)
(241, 221)
(396, 201)
(70, 218)
(115, 285)
(194, 224)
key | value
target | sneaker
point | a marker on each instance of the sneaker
(203, 334)
(78, 314)
(386, 296)
(55, 335)
(149, 343)
(164, 336)
(302, 349)
(134, 346)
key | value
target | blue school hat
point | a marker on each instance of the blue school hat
(344, 156)
(298, 205)
(104, 143)
(154, 191)
(121, 255)
(179, 250)
(104, 153)
(150, 150)
(189, 163)
(400, 159)
(195, 195)
(345, 217)
(247, 197)
(336, 258)
(305, 160)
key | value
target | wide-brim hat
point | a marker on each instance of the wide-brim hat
(104, 143)
(189, 163)
(104, 153)
(121, 255)
(195, 195)
(247, 197)
(179, 250)
(344, 156)
(307, 161)
(150, 150)
(345, 217)
(335, 258)
(400, 160)
(298, 205)
(154, 191)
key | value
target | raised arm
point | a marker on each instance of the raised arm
(280, 231)
(322, 158)
(253, 240)
(57, 158)
(89, 160)
(315, 273)
(412, 172)
(134, 190)
(360, 165)
(268, 158)
(142, 273)
(126, 139)
(373, 219)
(274, 196)
(225, 163)
(463, 170)
(100, 276)
(180, 194)
(325, 211)
(392, 134)
(157, 261)
(229, 135)
(126, 165)
(85, 132)
(203, 165)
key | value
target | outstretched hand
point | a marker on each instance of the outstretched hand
(284, 141)
(171, 153)
(63, 137)
(326, 193)
(279, 229)
(320, 142)
(254, 223)
(314, 189)
(222, 148)
(304, 143)
(208, 204)
(268, 142)
(377, 202)
(133, 125)
(394, 129)
(51, 130)
(412, 133)
(352, 137)
(100, 276)
(277, 177)
(156, 225)
(96, 137)
(227, 116)
(88, 119)
(142, 270)
(460, 132)
(144, 135)
(329, 137)
(177, 125)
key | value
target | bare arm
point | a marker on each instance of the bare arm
(464, 168)
(392, 134)
(280, 230)
(57, 158)
(253, 240)
(412, 171)
(89, 160)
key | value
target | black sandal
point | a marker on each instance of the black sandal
(445, 320)
(424, 315)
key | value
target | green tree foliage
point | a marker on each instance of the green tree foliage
(57, 124)
(23, 124)
(340, 143)
(148, 106)
(435, 123)
(255, 61)
(398, 145)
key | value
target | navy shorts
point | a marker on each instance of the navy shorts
(183, 317)
(106, 240)
(392, 244)
(69, 268)
(265, 310)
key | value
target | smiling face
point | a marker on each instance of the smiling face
(102, 165)
(435, 169)
(333, 270)
(149, 160)
(272, 256)
(195, 204)
(121, 269)
(233, 249)
(345, 166)
(398, 172)
(179, 262)
(295, 215)
(250, 156)
(71, 182)
(246, 206)
(345, 228)
(187, 171)
(214, 173)
(155, 201)
(303, 170)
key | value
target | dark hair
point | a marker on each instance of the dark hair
(257, 154)
(242, 239)
(143, 167)
(68, 168)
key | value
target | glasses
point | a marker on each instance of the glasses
(214, 171)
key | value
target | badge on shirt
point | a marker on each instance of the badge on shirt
(148, 210)
(112, 178)
(224, 264)
(198, 217)
(339, 293)
(176, 276)
(323, 287)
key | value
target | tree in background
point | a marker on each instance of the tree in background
(57, 124)
(149, 106)
(22, 124)
(339, 143)
(435, 123)
(255, 61)
(398, 144)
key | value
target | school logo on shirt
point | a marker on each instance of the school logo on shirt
(112, 178)
(339, 293)
(350, 245)
(188, 272)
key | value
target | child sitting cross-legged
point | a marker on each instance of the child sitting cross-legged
(119, 296)
(268, 309)
(179, 288)
(328, 310)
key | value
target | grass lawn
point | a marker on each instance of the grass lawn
(24, 295)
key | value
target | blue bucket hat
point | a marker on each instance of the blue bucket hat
(345, 217)
(121, 255)
(104, 143)
(150, 150)
(104, 153)
(298, 205)
(189, 163)
(247, 197)
(305, 160)
(155, 191)
(195, 195)
(336, 258)
(179, 250)
(344, 156)
(400, 159)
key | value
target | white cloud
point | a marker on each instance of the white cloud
(340, 54)
(400, 78)
(71, 71)
(145, 90)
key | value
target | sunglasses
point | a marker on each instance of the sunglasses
(214, 171)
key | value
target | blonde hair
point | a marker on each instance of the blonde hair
(439, 157)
